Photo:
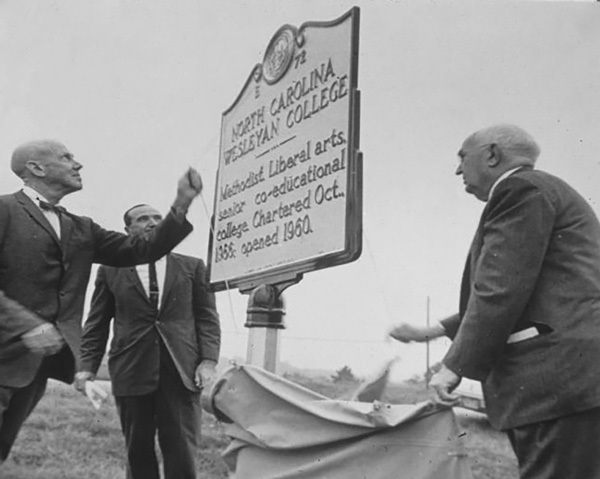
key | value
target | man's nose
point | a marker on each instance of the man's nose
(153, 222)
(77, 166)
(458, 170)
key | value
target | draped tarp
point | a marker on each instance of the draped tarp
(281, 430)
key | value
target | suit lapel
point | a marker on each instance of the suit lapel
(170, 276)
(477, 243)
(66, 229)
(37, 215)
(134, 278)
(470, 264)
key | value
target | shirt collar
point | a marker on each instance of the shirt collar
(161, 260)
(503, 176)
(34, 195)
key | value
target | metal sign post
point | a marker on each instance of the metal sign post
(265, 319)
(288, 198)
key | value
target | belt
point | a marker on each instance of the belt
(523, 335)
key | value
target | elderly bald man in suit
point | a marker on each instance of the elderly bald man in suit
(528, 325)
(46, 254)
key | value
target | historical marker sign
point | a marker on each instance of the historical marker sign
(289, 187)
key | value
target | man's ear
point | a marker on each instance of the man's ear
(495, 157)
(35, 169)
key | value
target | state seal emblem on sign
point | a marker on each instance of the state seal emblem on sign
(279, 54)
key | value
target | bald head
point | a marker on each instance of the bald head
(48, 167)
(489, 153)
(516, 145)
(32, 151)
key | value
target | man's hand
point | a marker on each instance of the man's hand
(81, 378)
(205, 373)
(188, 187)
(44, 339)
(407, 333)
(444, 382)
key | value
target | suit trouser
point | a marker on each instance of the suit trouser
(563, 448)
(175, 413)
(16, 404)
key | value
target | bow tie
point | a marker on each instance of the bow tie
(45, 206)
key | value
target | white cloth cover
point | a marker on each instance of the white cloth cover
(281, 430)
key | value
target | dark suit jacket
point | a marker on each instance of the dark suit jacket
(187, 323)
(43, 275)
(534, 261)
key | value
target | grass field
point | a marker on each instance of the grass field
(65, 438)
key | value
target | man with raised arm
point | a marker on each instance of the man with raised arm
(46, 254)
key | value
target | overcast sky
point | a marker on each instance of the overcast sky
(136, 90)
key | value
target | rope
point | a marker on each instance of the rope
(227, 289)
(378, 279)
(209, 145)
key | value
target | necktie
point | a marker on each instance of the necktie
(44, 205)
(153, 285)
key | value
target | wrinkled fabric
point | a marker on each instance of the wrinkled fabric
(281, 430)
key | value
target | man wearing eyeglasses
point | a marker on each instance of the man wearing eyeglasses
(528, 325)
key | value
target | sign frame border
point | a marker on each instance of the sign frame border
(292, 273)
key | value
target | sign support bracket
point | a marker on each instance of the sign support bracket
(264, 318)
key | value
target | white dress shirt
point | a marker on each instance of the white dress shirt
(51, 216)
(143, 271)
